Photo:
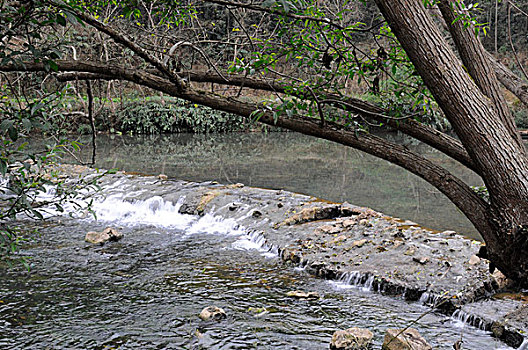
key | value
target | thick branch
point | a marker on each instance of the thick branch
(512, 82)
(426, 134)
(478, 64)
(455, 189)
(128, 43)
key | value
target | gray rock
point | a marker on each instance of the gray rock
(108, 234)
(351, 339)
(212, 313)
(410, 339)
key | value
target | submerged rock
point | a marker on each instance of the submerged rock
(351, 339)
(303, 295)
(108, 234)
(410, 339)
(212, 313)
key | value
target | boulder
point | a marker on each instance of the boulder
(212, 313)
(410, 339)
(108, 234)
(351, 339)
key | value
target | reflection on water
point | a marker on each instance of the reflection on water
(296, 163)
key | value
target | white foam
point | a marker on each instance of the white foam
(153, 211)
(216, 225)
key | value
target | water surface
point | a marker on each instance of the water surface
(146, 291)
(297, 163)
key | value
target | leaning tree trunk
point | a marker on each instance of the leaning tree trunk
(498, 157)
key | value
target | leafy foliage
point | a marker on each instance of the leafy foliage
(176, 116)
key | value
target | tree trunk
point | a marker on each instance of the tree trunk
(498, 157)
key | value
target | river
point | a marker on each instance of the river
(146, 291)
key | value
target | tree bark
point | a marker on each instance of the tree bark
(512, 82)
(501, 162)
(478, 64)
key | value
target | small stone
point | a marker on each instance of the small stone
(449, 233)
(410, 339)
(360, 243)
(397, 243)
(421, 260)
(351, 339)
(365, 222)
(410, 251)
(501, 280)
(474, 260)
(292, 255)
(162, 177)
(256, 214)
(108, 234)
(339, 239)
(212, 313)
(329, 229)
(303, 295)
(348, 223)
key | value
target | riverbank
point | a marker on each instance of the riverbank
(360, 248)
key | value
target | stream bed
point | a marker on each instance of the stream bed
(146, 291)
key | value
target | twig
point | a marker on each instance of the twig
(196, 48)
(511, 42)
(92, 119)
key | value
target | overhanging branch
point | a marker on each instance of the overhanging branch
(454, 188)
(434, 138)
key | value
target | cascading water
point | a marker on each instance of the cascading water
(146, 290)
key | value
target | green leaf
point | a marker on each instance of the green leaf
(27, 124)
(13, 133)
(3, 167)
(53, 66)
(6, 124)
(61, 20)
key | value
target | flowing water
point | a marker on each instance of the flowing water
(146, 291)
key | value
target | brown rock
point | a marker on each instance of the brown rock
(339, 239)
(206, 198)
(410, 339)
(359, 243)
(108, 234)
(474, 260)
(365, 222)
(348, 223)
(212, 313)
(410, 251)
(501, 280)
(303, 295)
(329, 229)
(351, 339)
